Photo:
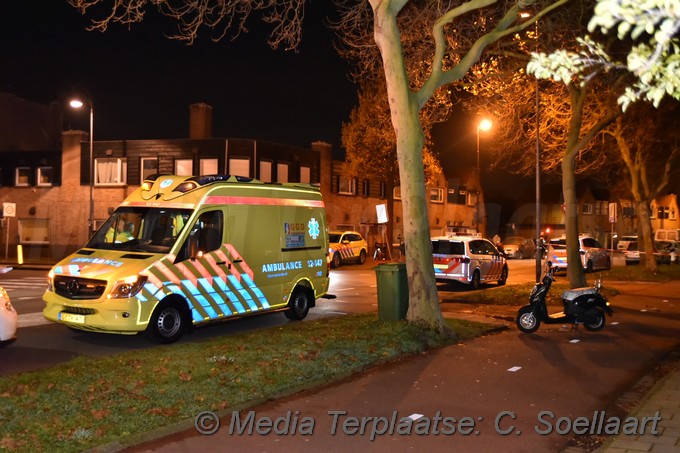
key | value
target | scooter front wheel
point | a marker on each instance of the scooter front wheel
(596, 321)
(527, 320)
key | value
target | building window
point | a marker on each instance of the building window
(305, 175)
(347, 185)
(470, 198)
(45, 176)
(34, 231)
(184, 167)
(281, 172)
(110, 171)
(436, 195)
(366, 187)
(627, 209)
(208, 166)
(23, 177)
(239, 166)
(149, 166)
(383, 189)
(396, 193)
(672, 215)
(265, 171)
(586, 209)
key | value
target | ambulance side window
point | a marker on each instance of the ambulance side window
(210, 237)
(207, 231)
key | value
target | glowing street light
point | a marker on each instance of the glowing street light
(483, 125)
(77, 104)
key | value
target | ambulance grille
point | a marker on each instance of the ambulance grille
(79, 288)
(79, 310)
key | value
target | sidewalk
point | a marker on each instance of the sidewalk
(664, 398)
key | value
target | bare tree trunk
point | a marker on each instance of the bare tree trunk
(575, 272)
(423, 298)
(646, 237)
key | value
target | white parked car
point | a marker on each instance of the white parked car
(8, 316)
(593, 256)
(468, 259)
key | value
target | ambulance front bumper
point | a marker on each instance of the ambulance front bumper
(121, 316)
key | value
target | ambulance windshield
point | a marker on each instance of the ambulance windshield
(141, 229)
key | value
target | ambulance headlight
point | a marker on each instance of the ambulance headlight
(127, 287)
(50, 280)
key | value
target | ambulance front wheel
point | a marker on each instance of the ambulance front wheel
(299, 304)
(168, 323)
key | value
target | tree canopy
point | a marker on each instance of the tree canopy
(651, 26)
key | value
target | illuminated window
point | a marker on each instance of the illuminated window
(470, 198)
(265, 171)
(305, 175)
(587, 209)
(23, 177)
(208, 166)
(34, 231)
(45, 176)
(149, 166)
(184, 167)
(437, 195)
(396, 193)
(281, 172)
(110, 171)
(239, 166)
(347, 185)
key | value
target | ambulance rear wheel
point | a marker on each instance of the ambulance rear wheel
(299, 304)
(167, 324)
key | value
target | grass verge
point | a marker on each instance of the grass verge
(666, 272)
(89, 402)
(519, 294)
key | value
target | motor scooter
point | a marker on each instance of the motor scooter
(581, 306)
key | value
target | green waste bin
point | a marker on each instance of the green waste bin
(392, 291)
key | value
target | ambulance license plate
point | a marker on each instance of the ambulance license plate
(70, 317)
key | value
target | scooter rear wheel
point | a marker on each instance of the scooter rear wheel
(527, 322)
(597, 322)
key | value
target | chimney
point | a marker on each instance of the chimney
(200, 121)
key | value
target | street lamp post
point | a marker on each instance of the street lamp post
(539, 251)
(76, 104)
(483, 125)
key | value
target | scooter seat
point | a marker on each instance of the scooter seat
(572, 294)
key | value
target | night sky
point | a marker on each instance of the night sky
(142, 83)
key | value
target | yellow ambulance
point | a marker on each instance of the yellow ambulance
(182, 251)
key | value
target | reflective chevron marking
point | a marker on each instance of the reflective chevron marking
(345, 251)
(210, 291)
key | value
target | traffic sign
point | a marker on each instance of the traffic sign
(9, 209)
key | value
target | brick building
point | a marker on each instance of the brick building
(47, 181)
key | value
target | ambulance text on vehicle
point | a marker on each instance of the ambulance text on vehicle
(182, 251)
